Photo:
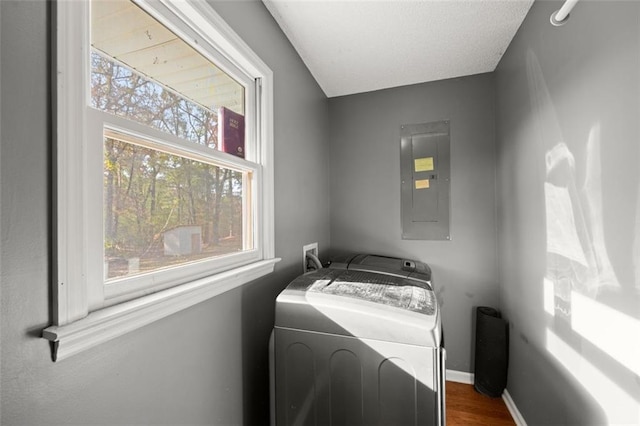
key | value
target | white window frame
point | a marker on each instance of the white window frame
(86, 312)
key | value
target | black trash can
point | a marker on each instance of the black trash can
(492, 352)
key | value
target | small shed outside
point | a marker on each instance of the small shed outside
(183, 240)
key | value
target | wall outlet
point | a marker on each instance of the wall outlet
(313, 248)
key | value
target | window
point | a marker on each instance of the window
(164, 165)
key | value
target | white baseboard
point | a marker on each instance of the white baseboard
(511, 406)
(460, 377)
(467, 378)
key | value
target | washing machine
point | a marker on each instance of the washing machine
(359, 343)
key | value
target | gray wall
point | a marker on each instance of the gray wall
(365, 191)
(579, 85)
(204, 365)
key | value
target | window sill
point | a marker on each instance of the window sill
(108, 323)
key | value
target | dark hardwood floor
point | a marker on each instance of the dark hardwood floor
(467, 407)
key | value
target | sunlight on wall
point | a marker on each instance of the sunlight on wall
(620, 407)
(636, 244)
(582, 295)
(578, 272)
(591, 197)
(603, 326)
(548, 297)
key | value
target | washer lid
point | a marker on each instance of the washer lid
(361, 304)
(385, 265)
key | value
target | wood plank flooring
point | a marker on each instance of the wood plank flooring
(467, 407)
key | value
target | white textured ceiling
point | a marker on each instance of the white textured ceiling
(355, 46)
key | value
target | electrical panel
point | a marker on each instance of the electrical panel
(425, 173)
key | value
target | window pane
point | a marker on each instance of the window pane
(142, 71)
(162, 210)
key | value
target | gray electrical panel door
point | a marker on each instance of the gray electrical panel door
(425, 173)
